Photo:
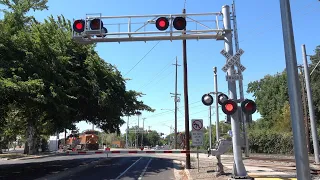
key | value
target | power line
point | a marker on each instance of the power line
(170, 110)
(157, 75)
(142, 58)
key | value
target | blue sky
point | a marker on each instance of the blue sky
(260, 36)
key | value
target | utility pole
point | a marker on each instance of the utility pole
(135, 144)
(305, 108)
(239, 169)
(175, 105)
(300, 151)
(217, 104)
(127, 132)
(142, 130)
(210, 128)
(243, 116)
(219, 164)
(138, 132)
(186, 99)
(311, 107)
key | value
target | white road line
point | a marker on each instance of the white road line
(145, 169)
(128, 169)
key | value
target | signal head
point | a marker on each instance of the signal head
(79, 25)
(222, 98)
(207, 99)
(229, 107)
(96, 24)
(104, 30)
(179, 23)
(162, 23)
(248, 106)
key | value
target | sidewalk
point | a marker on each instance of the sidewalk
(258, 169)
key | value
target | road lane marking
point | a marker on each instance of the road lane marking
(145, 169)
(128, 168)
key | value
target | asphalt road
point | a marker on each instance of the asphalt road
(129, 168)
(33, 169)
(120, 166)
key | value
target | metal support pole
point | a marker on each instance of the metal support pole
(186, 99)
(127, 133)
(142, 131)
(210, 128)
(176, 106)
(243, 116)
(217, 104)
(219, 164)
(300, 151)
(305, 111)
(138, 131)
(239, 169)
(311, 107)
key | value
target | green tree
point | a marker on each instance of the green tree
(54, 81)
(315, 81)
(270, 95)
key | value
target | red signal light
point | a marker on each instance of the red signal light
(229, 107)
(79, 25)
(248, 107)
(179, 23)
(96, 24)
(162, 23)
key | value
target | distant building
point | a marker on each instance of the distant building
(118, 144)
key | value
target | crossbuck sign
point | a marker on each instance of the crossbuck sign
(233, 60)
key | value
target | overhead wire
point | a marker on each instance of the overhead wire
(165, 112)
(142, 58)
(157, 75)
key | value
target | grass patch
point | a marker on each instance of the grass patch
(12, 156)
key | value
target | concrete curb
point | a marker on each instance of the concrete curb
(65, 174)
(187, 172)
(37, 157)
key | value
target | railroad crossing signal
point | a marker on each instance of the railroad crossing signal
(79, 25)
(248, 107)
(179, 23)
(233, 60)
(207, 99)
(222, 98)
(98, 28)
(229, 107)
(96, 24)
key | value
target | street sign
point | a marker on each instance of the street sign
(234, 77)
(233, 60)
(197, 124)
(197, 132)
(197, 138)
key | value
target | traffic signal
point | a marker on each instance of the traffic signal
(79, 25)
(207, 99)
(248, 107)
(96, 24)
(179, 23)
(229, 107)
(222, 98)
(162, 23)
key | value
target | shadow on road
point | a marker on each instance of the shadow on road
(35, 170)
